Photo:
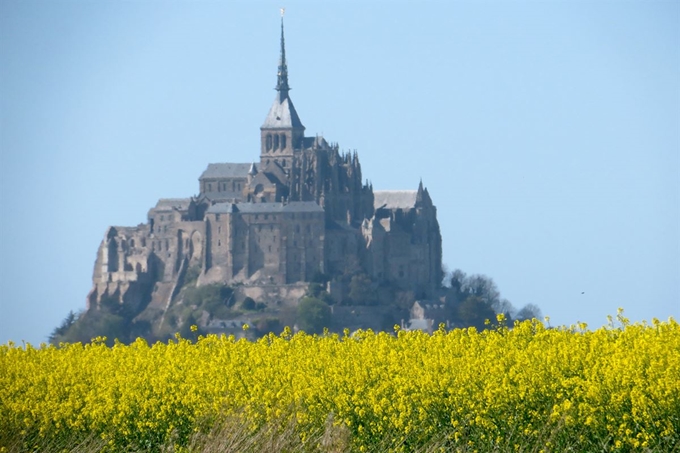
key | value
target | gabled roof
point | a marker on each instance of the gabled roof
(394, 199)
(222, 196)
(262, 208)
(282, 115)
(226, 170)
(264, 179)
(169, 204)
(293, 206)
(314, 142)
(274, 171)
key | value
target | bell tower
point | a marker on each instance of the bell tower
(282, 132)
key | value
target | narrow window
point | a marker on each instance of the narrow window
(269, 142)
(283, 141)
(276, 142)
(209, 190)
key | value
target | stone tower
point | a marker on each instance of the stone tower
(282, 133)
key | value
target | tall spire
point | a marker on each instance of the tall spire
(282, 76)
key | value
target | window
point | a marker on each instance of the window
(219, 230)
(266, 216)
(269, 142)
(270, 249)
(219, 243)
(276, 142)
(209, 189)
(283, 141)
(162, 218)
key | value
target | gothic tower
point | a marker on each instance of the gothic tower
(282, 133)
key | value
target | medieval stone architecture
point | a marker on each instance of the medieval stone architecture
(298, 212)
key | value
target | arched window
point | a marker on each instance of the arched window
(283, 141)
(269, 142)
(276, 142)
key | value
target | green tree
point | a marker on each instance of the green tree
(59, 332)
(474, 311)
(361, 290)
(529, 311)
(313, 315)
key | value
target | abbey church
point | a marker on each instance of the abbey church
(299, 211)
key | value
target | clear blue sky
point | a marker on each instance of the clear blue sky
(548, 133)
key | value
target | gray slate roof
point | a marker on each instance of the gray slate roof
(227, 170)
(168, 204)
(282, 115)
(394, 199)
(223, 196)
(266, 208)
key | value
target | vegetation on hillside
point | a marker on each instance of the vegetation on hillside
(464, 301)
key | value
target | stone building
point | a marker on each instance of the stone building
(299, 211)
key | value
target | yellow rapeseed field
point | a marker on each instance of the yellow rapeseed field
(525, 388)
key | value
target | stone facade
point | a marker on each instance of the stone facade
(300, 211)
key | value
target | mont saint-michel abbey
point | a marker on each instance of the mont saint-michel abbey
(299, 211)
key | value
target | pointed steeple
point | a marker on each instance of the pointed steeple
(419, 194)
(282, 114)
(282, 76)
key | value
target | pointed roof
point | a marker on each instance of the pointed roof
(282, 113)
(394, 199)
